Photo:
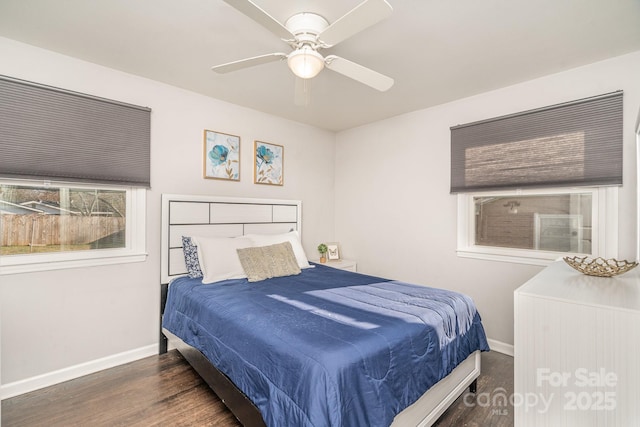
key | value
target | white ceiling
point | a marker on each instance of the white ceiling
(436, 50)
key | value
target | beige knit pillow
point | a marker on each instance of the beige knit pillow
(265, 262)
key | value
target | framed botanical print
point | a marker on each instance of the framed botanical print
(221, 156)
(268, 163)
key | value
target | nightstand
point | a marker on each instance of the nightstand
(342, 264)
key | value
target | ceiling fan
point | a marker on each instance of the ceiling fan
(309, 32)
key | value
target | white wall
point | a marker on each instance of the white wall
(394, 213)
(58, 324)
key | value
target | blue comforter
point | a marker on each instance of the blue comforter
(326, 347)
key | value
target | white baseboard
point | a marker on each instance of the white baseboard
(501, 347)
(51, 378)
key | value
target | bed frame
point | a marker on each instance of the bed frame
(231, 217)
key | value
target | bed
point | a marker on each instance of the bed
(315, 346)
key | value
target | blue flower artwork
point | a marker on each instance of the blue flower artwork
(218, 155)
(221, 156)
(269, 163)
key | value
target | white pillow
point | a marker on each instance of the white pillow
(219, 257)
(292, 237)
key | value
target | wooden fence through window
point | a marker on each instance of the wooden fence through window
(43, 230)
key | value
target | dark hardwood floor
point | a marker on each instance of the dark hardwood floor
(164, 391)
(487, 407)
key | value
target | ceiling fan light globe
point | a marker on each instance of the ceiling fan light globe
(305, 63)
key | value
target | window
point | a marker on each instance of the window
(537, 226)
(57, 226)
(73, 177)
(538, 184)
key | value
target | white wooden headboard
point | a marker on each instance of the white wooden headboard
(208, 216)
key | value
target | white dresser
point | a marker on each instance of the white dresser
(577, 349)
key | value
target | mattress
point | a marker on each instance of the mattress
(326, 347)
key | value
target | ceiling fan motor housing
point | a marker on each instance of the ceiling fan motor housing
(306, 26)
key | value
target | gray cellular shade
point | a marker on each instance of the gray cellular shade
(577, 143)
(54, 134)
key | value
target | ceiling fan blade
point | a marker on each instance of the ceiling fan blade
(302, 94)
(248, 62)
(359, 73)
(357, 19)
(256, 13)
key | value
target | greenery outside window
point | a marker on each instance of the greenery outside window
(46, 226)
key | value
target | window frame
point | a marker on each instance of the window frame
(604, 225)
(135, 236)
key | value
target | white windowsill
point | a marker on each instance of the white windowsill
(513, 256)
(69, 263)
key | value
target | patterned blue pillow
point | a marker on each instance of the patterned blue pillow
(191, 258)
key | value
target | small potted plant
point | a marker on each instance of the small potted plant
(322, 248)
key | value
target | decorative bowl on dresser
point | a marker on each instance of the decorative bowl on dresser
(599, 266)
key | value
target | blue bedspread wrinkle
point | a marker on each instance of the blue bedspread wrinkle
(326, 347)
